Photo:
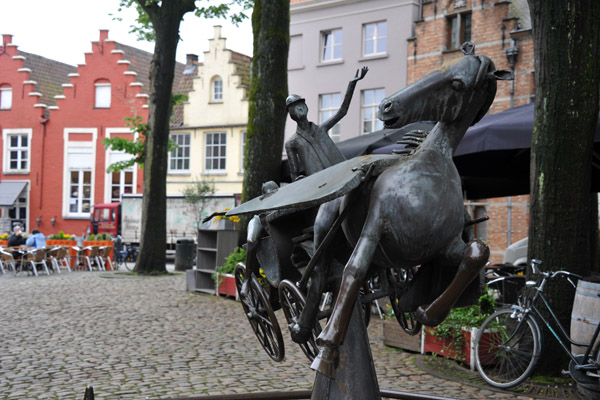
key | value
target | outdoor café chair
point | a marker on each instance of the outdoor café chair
(63, 258)
(105, 257)
(36, 257)
(7, 261)
(51, 258)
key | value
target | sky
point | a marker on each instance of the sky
(63, 30)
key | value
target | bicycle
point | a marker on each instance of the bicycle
(509, 343)
(125, 255)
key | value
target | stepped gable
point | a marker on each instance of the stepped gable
(48, 75)
(140, 61)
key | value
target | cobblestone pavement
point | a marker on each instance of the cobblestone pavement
(136, 337)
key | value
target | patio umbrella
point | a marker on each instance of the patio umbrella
(493, 157)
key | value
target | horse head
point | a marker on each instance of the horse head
(460, 88)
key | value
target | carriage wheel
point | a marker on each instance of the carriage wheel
(260, 315)
(292, 303)
(399, 279)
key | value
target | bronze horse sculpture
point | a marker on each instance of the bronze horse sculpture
(413, 212)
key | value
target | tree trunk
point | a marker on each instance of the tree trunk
(268, 91)
(165, 21)
(566, 38)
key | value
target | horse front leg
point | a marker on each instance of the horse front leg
(353, 278)
(475, 257)
(325, 219)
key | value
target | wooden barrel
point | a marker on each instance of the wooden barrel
(586, 314)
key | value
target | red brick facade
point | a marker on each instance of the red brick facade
(494, 27)
(66, 138)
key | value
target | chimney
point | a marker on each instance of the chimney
(191, 60)
(6, 39)
(103, 35)
(217, 31)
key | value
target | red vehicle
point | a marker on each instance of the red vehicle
(106, 218)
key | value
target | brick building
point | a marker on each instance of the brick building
(500, 30)
(58, 131)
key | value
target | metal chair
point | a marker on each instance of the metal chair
(63, 258)
(51, 258)
(93, 259)
(7, 261)
(36, 257)
(105, 257)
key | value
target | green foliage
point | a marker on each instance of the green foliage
(463, 318)
(234, 9)
(238, 256)
(61, 236)
(135, 147)
(101, 237)
(195, 195)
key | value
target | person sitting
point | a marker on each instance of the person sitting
(37, 239)
(16, 239)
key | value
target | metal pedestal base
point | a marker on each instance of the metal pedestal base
(355, 376)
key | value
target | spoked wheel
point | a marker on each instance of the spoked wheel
(292, 303)
(260, 315)
(399, 279)
(507, 348)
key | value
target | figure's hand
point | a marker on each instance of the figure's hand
(363, 71)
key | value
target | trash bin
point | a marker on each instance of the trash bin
(184, 254)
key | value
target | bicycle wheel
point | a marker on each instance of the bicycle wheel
(292, 303)
(400, 279)
(506, 350)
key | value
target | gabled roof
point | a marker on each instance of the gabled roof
(140, 62)
(48, 74)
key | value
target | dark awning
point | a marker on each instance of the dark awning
(10, 192)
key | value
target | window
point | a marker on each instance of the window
(18, 213)
(243, 149)
(5, 97)
(328, 106)
(375, 38)
(331, 45)
(459, 30)
(78, 175)
(80, 197)
(102, 94)
(217, 89)
(17, 150)
(179, 157)
(215, 152)
(121, 182)
(370, 102)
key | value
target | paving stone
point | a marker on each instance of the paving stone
(137, 337)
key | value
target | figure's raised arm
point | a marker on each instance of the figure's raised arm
(360, 74)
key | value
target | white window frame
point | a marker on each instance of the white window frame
(212, 158)
(5, 98)
(102, 98)
(6, 135)
(178, 156)
(371, 108)
(66, 169)
(122, 186)
(332, 46)
(327, 112)
(376, 39)
(216, 91)
(242, 150)
(109, 154)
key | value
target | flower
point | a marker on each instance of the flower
(233, 218)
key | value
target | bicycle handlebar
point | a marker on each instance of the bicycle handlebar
(550, 274)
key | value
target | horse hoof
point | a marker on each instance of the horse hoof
(426, 318)
(299, 334)
(325, 362)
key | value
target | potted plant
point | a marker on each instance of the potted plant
(4, 239)
(453, 337)
(63, 239)
(224, 279)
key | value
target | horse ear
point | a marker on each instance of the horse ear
(502, 75)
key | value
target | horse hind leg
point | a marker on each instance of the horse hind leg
(475, 257)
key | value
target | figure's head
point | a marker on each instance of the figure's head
(296, 106)
(33, 232)
(17, 230)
